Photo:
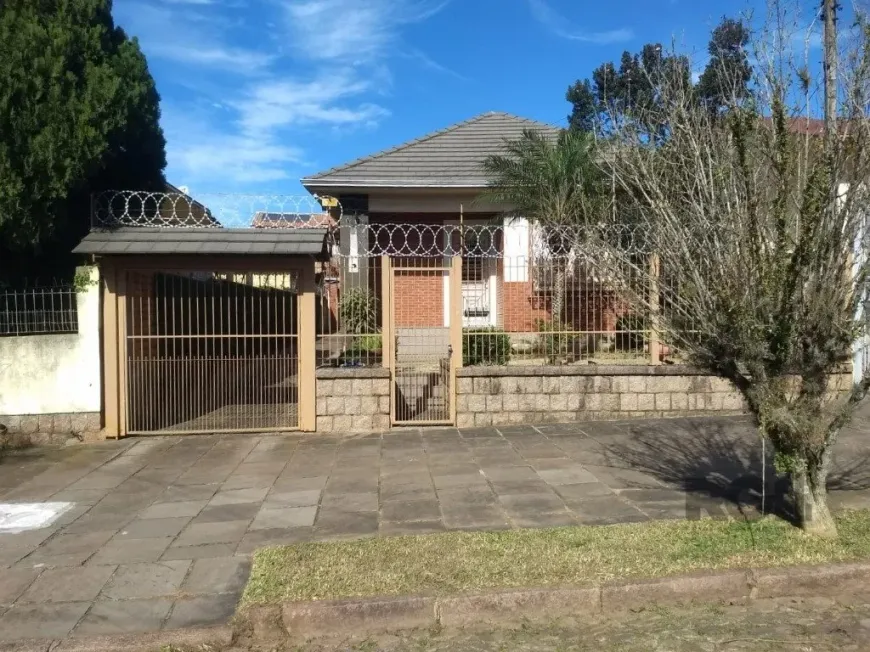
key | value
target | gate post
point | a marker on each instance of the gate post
(306, 383)
(387, 337)
(455, 328)
(112, 387)
(655, 326)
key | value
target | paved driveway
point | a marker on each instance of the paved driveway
(161, 529)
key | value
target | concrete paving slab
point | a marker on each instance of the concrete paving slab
(147, 580)
(198, 552)
(46, 620)
(14, 582)
(217, 575)
(151, 528)
(123, 550)
(284, 517)
(201, 533)
(416, 510)
(68, 584)
(239, 496)
(175, 509)
(203, 611)
(124, 617)
(255, 539)
(303, 498)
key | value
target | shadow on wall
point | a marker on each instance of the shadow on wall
(719, 464)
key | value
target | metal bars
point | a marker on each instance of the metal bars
(211, 352)
(422, 350)
(39, 311)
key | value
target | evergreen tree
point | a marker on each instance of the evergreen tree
(79, 113)
(629, 91)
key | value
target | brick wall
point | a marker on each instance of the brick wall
(353, 400)
(418, 295)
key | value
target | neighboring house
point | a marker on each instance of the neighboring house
(425, 186)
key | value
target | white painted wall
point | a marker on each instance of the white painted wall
(516, 249)
(55, 374)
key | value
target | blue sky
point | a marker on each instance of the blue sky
(259, 93)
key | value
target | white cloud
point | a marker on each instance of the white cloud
(560, 26)
(204, 153)
(431, 64)
(351, 31)
(188, 37)
(281, 103)
(245, 105)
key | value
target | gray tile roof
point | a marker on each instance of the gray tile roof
(144, 240)
(451, 157)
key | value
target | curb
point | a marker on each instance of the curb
(144, 642)
(374, 615)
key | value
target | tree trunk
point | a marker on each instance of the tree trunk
(560, 339)
(810, 495)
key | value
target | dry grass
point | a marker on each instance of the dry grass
(458, 562)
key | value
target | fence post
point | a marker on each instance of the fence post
(111, 353)
(307, 345)
(655, 346)
(387, 336)
(455, 328)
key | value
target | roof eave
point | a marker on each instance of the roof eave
(374, 183)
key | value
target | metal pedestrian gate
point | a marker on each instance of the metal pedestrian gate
(211, 352)
(423, 358)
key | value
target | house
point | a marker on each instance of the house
(420, 202)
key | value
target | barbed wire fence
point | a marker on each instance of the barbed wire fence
(531, 294)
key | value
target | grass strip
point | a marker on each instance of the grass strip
(461, 562)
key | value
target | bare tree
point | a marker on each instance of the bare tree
(757, 215)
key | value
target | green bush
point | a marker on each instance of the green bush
(485, 346)
(358, 311)
(631, 332)
(555, 340)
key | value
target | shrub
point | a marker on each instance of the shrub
(630, 332)
(485, 346)
(358, 311)
(555, 340)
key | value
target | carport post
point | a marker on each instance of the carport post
(307, 344)
(111, 352)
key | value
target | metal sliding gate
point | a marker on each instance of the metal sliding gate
(211, 352)
(422, 355)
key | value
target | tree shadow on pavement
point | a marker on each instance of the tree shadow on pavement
(721, 462)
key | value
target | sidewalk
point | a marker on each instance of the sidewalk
(161, 529)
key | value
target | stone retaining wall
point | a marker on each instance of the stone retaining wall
(48, 428)
(489, 396)
(353, 400)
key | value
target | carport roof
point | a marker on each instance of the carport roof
(144, 240)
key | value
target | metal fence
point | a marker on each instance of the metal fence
(40, 310)
(138, 208)
(530, 295)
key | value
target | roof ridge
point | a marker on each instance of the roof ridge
(421, 139)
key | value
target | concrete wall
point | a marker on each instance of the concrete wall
(353, 400)
(51, 383)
